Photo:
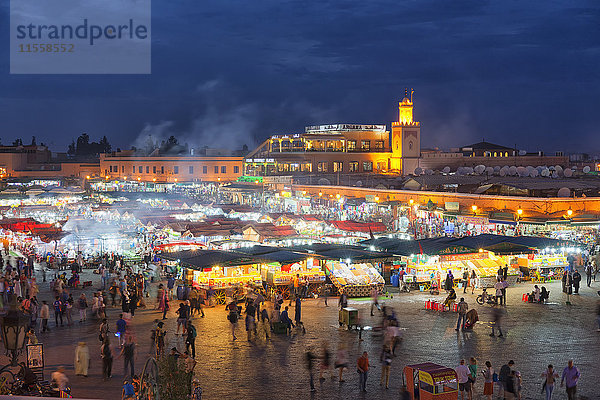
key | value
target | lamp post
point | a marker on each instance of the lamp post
(14, 326)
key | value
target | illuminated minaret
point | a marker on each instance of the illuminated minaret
(406, 138)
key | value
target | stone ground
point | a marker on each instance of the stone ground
(535, 336)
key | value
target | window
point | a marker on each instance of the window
(367, 166)
(154, 169)
(353, 166)
(204, 169)
(191, 169)
(133, 169)
(337, 166)
(351, 145)
(110, 168)
(236, 169)
(216, 169)
(381, 165)
(162, 169)
(365, 145)
(140, 169)
(223, 169)
(176, 170)
(322, 167)
(116, 168)
(147, 169)
(122, 168)
(379, 144)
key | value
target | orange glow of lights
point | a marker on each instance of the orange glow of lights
(411, 201)
(320, 194)
(520, 211)
(569, 212)
(474, 208)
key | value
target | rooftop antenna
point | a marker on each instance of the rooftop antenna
(405, 92)
(411, 94)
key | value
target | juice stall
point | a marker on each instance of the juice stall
(429, 381)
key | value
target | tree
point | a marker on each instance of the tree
(104, 145)
(33, 143)
(72, 149)
(17, 142)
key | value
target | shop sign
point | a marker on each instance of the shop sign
(35, 355)
(452, 206)
(456, 250)
(444, 377)
(473, 220)
(425, 377)
(277, 179)
(461, 257)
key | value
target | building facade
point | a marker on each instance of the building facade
(341, 148)
(157, 168)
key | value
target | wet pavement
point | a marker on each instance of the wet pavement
(535, 335)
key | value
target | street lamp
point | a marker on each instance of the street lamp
(474, 208)
(569, 212)
(520, 211)
(14, 331)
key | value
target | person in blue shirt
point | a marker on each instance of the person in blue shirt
(121, 328)
(170, 285)
(285, 318)
(128, 391)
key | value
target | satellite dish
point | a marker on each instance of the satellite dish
(522, 153)
(545, 172)
(539, 169)
(489, 171)
(502, 172)
(568, 172)
(574, 167)
(521, 170)
(564, 192)
(558, 168)
(468, 170)
(497, 168)
(555, 175)
(480, 169)
(324, 181)
(428, 172)
(534, 173)
(418, 171)
(529, 169)
(586, 169)
(512, 171)
(446, 170)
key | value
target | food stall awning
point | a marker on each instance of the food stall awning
(467, 244)
(200, 259)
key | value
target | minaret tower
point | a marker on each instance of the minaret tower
(406, 138)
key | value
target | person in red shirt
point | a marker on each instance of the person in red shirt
(362, 367)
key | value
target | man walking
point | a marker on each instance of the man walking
(362, 366)
(588, 274)
(127, 352)
(190, 340)
(571, 376)
(503, 378)
(44, 315)
(462, 371)
(497, 320)
(121, 328)
(462, 308)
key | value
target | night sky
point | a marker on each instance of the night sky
(226, 73)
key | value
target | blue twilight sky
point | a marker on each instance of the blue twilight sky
(224, 72)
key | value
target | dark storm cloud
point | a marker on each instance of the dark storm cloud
(512, 72)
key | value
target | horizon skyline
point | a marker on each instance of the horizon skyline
(479, 69)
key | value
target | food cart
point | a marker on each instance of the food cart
(429, 381)
(348, 316)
